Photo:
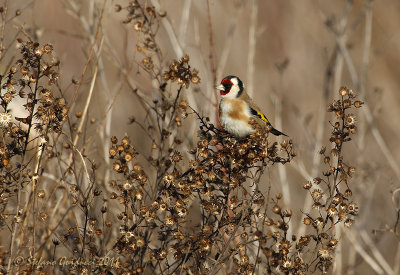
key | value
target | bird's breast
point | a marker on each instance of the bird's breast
(234, 117)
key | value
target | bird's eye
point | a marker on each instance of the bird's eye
(227, 86)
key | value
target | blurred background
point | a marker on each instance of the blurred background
(293, 57)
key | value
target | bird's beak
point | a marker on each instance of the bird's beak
(220, 87)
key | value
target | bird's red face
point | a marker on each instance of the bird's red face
(231, 87)
(225, 87)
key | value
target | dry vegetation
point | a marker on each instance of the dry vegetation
(112, 160)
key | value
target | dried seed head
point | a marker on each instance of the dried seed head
(332, 243)
(358, 104)
(125, 141)
(47, 48)
(116, 166)
(307, 221)
(343, 91)
(348, 222)
(307, 185)
(195, 79)
(317, 180)
(185, 58)
(38, 52)
(351, 169)
(350, 120)
(324, 254)
(348, 193)
(41, 194)
(128, 157)
(352, 208)
(276, 209)
(342, 215)
(316, 194)
(332, 211)
(337, 199)
(137, 26)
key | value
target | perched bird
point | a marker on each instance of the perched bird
(236, 109)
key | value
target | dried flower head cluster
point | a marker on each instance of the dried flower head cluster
(180, 72)
(146, 22)
(27, 84)
(31, 77)
(175, 203)
(332, 204)
(331, 193)
(217, 180)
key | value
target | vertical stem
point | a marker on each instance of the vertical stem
(252, 47)
(211, 44)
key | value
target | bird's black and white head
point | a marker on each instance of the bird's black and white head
(231, 87)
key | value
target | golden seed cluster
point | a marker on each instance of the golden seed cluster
(181, 73)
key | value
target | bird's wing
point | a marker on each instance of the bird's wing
(255, 112)
(254, 109)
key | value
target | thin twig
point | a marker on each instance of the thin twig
(84, 113)
(86, 66)
(211, 46)
(361, 251)
(184, 21)
(252, 47)
(375, 252)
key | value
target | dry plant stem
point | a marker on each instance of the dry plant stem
(177, 48)
(170, 31)
(397, 209)
(332, 79)
(364, 70)
(83, 242)
(375, 132)
(262, 228)
(212, 62)
(338, 264)
(396, 268)
(211, 47)
(3, 25)
(351, 262)
(32, 112)
(89, 27)
(184, 21)
(23, 158)
(366, 110)
(55, 214)
(375, 252)
(228, 41)
(252, 47)
(86, 66)
(281, 168)
(84, 113)
(35, 181)
(333, 69)
(217, 266)
(361, 251)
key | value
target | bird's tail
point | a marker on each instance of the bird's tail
(276, 132)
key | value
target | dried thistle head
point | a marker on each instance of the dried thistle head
(181, 72)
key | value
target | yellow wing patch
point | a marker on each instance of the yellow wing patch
(259, 114)
(262, 117)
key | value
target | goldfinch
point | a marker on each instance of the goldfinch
(236, 109)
